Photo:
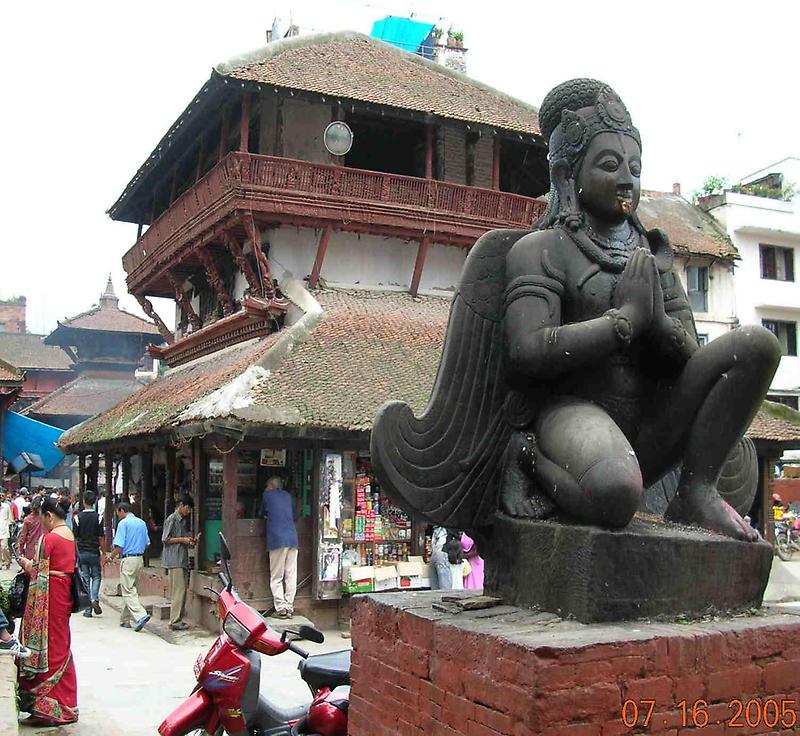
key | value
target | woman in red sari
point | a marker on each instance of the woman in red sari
(48, 687)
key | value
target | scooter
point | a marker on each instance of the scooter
(787, 538)
(230, 696)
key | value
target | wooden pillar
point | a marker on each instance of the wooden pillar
(169, 481)
(267, 287)
(239, 257)
(108, 514)
(230, 462)
(126, 478)
(767, 473)
(199, 469)
(321, 249)
(81, 476)
(429, 151)
(184, 301)
(215, 279)
(244, 123)
(95, 470)
(496, 164)
(223, 135)
(422, 253)
(146, 496)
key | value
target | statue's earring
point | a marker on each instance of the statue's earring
(570, 212)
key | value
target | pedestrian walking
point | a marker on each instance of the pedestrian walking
(279, 509)
(175, 558)
(440, 573)
(130, 542)
(89, 533)
(6, 520)
(31, 532)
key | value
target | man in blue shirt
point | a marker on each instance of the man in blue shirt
(277, 506)
(130, 542)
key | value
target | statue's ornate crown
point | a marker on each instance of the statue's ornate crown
(572, 135)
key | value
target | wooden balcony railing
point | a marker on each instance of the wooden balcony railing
(291, 190)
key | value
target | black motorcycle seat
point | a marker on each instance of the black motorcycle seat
(326, 670)
(271, 714)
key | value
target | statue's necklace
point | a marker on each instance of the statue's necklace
(610, 255)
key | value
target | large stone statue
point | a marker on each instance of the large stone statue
(571, 377)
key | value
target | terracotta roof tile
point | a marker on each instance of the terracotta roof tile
(10, 373)
(158, 405)
(356, 67)
(690, 229)
(110, 319)
(85, 396)
(29, 352)
(775, 423)
(368, 348)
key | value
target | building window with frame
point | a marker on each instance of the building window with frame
(702, 339)
(697, 287)
(786, 332)
(777, 264)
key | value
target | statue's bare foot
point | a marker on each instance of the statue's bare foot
(514, 503)
(704, 507)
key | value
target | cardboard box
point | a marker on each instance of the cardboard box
(358, 579)
(410, 573)
(386, 578)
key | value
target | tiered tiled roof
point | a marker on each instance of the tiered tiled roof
(29, 352)
(84, 397)
(352, 66)
(691, 231)
(776, 423)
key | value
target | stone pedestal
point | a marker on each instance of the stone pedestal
(419, 670)
(645, 570)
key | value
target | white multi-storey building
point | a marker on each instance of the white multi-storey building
(763, 221)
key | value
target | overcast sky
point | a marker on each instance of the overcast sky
(88, 89)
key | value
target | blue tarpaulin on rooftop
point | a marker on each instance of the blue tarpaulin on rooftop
(23, 434)
(404, 33)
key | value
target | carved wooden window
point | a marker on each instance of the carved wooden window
(777, 264)
(786, 332)
(697, 288)
(791, 401)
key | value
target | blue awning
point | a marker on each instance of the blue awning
(23, 434)
(404, 33)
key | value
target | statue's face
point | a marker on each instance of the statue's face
(608, 181)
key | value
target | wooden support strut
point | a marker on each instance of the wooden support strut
(321, 249)
(149, 310)
(267, 287)
(109, 509)
(237, 252)
(223, 135)
(183, 300)
(429, 151)
(422, 253)
(215, 279)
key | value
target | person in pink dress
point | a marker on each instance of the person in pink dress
(473, 580)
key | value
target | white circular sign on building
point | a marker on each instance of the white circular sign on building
(338, 138)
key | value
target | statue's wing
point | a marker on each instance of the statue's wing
(445, 464)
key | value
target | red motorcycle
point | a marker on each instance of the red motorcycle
(230, 696)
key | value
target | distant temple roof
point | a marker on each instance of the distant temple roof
(86, 396)
(29, 352)
(691, 230)
(105, 317)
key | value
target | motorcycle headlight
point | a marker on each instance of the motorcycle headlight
(235, 630)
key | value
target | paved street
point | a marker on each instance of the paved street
(128, 682)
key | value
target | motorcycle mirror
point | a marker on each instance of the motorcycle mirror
(309, 633)
(226, 553)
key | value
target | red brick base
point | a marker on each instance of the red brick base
(417, 670)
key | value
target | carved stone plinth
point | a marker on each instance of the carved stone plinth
(645, 570)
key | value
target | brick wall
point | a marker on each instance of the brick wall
(508, 672)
